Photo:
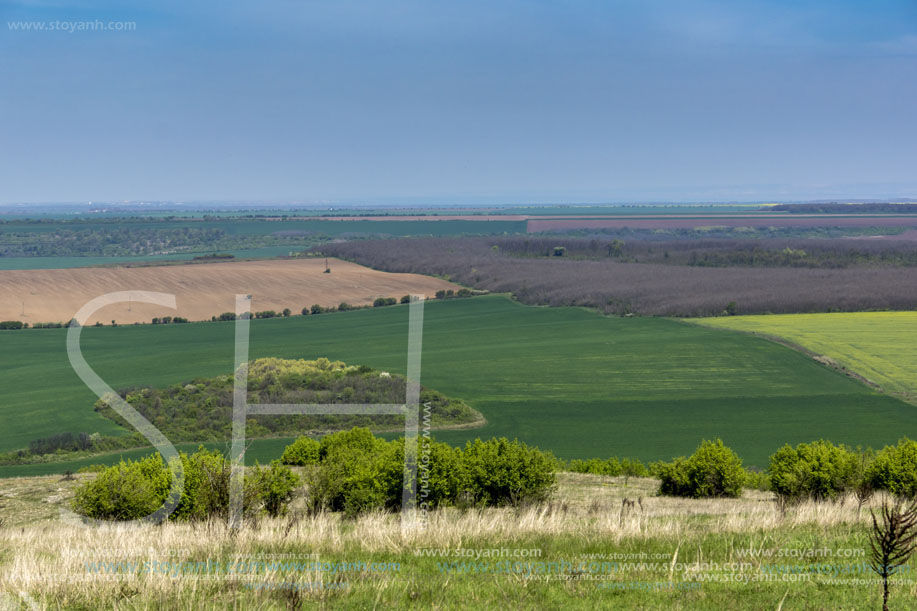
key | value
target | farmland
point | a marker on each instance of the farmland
(879, 346)
(202, 290)
(613, 277)
(76, 242)
(565, 379)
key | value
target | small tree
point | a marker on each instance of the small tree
(405, 299)
(316, 309)
(287, 312)
(893, 541)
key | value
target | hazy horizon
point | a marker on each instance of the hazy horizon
(497, 102)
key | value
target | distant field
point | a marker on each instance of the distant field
(565, 379)
(880, 346)
(202, 290)
(674, 221)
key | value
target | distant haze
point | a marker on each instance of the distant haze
(431, 103)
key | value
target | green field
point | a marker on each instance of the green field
(880, 346)
(565, 379)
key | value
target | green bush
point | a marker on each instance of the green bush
(303, 451)
(758, 480)
(712, 471)
(134, 489)
(384, 301)
(126, 491)
(358, 472)
(820, 470)
(440, 474)
(895, 469)
(405, 299)
(630, 467)
(277, 485)
(11, 324)
(503, 472)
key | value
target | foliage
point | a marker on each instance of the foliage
(712, 471)
(358, 472)
(895, 469)
(304, 451)
(201, 410)
(277, 485)
(503, 472)
(127, 491)
(819, 470)
(134, 489)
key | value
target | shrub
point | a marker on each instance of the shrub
(503, 472)
(276, 485)
(344, 307)
(11, 324)
(712, 471)
(127, 491)
(287, 312)
(266, 314)
(358, 472)
(134, 489)
(440, 474)
(316, 309)
(895, 469)
(758, 480)
(47, 325)
(820, 470)
(227, 316)
(302, 452)
(384, 301)
(597, 466)
(631, 467)
(405, 299)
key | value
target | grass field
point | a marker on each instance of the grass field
(565, 379)
(579, 551)
(879, 346)
(20, 263)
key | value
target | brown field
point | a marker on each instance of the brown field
(201, 290)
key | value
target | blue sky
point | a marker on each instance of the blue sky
(431, 101)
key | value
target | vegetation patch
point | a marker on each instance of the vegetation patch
(201, 410)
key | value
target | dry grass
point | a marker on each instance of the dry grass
(36, 553)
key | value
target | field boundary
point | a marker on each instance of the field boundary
(822, 359)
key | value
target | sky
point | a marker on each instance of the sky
(426, 101)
